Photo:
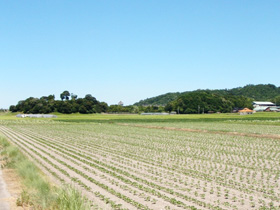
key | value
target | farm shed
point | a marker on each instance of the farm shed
(245, 111)
(262, 104)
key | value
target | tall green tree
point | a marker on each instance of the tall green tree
(65, 95)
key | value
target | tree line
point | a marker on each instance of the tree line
(201, 101)
(69, 103)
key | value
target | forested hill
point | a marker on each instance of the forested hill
(160, 100)
(256, 92)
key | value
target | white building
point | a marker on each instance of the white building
(260, 106)
(262, 103)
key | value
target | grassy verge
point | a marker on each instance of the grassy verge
(38, 192)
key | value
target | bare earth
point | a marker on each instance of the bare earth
(14, 188)
(4, 195)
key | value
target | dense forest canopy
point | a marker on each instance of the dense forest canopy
(207, 102)
(160, 100)
(259, 92)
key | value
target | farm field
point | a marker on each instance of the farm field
(228, 126)
(138, 162)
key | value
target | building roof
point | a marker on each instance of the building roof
(245, 110)
(263, 102)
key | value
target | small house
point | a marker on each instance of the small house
(245, 111)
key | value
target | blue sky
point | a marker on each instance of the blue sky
(132, 50)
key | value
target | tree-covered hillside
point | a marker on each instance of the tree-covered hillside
(160, 100)
(259, 92)
(203, 101)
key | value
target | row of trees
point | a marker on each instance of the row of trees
(134, 109)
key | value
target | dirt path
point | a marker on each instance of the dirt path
(10, 188)
(14, 187)
(4, 194)
(270, 136)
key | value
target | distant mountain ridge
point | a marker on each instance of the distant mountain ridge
(260, 92)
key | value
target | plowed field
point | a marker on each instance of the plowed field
(123, 166)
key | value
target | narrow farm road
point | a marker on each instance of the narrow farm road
(4, 194)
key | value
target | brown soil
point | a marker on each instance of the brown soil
(270, 136)
(148, 170)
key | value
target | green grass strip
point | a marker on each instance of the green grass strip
(38, 192)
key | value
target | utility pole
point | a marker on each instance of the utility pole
(198, 108)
